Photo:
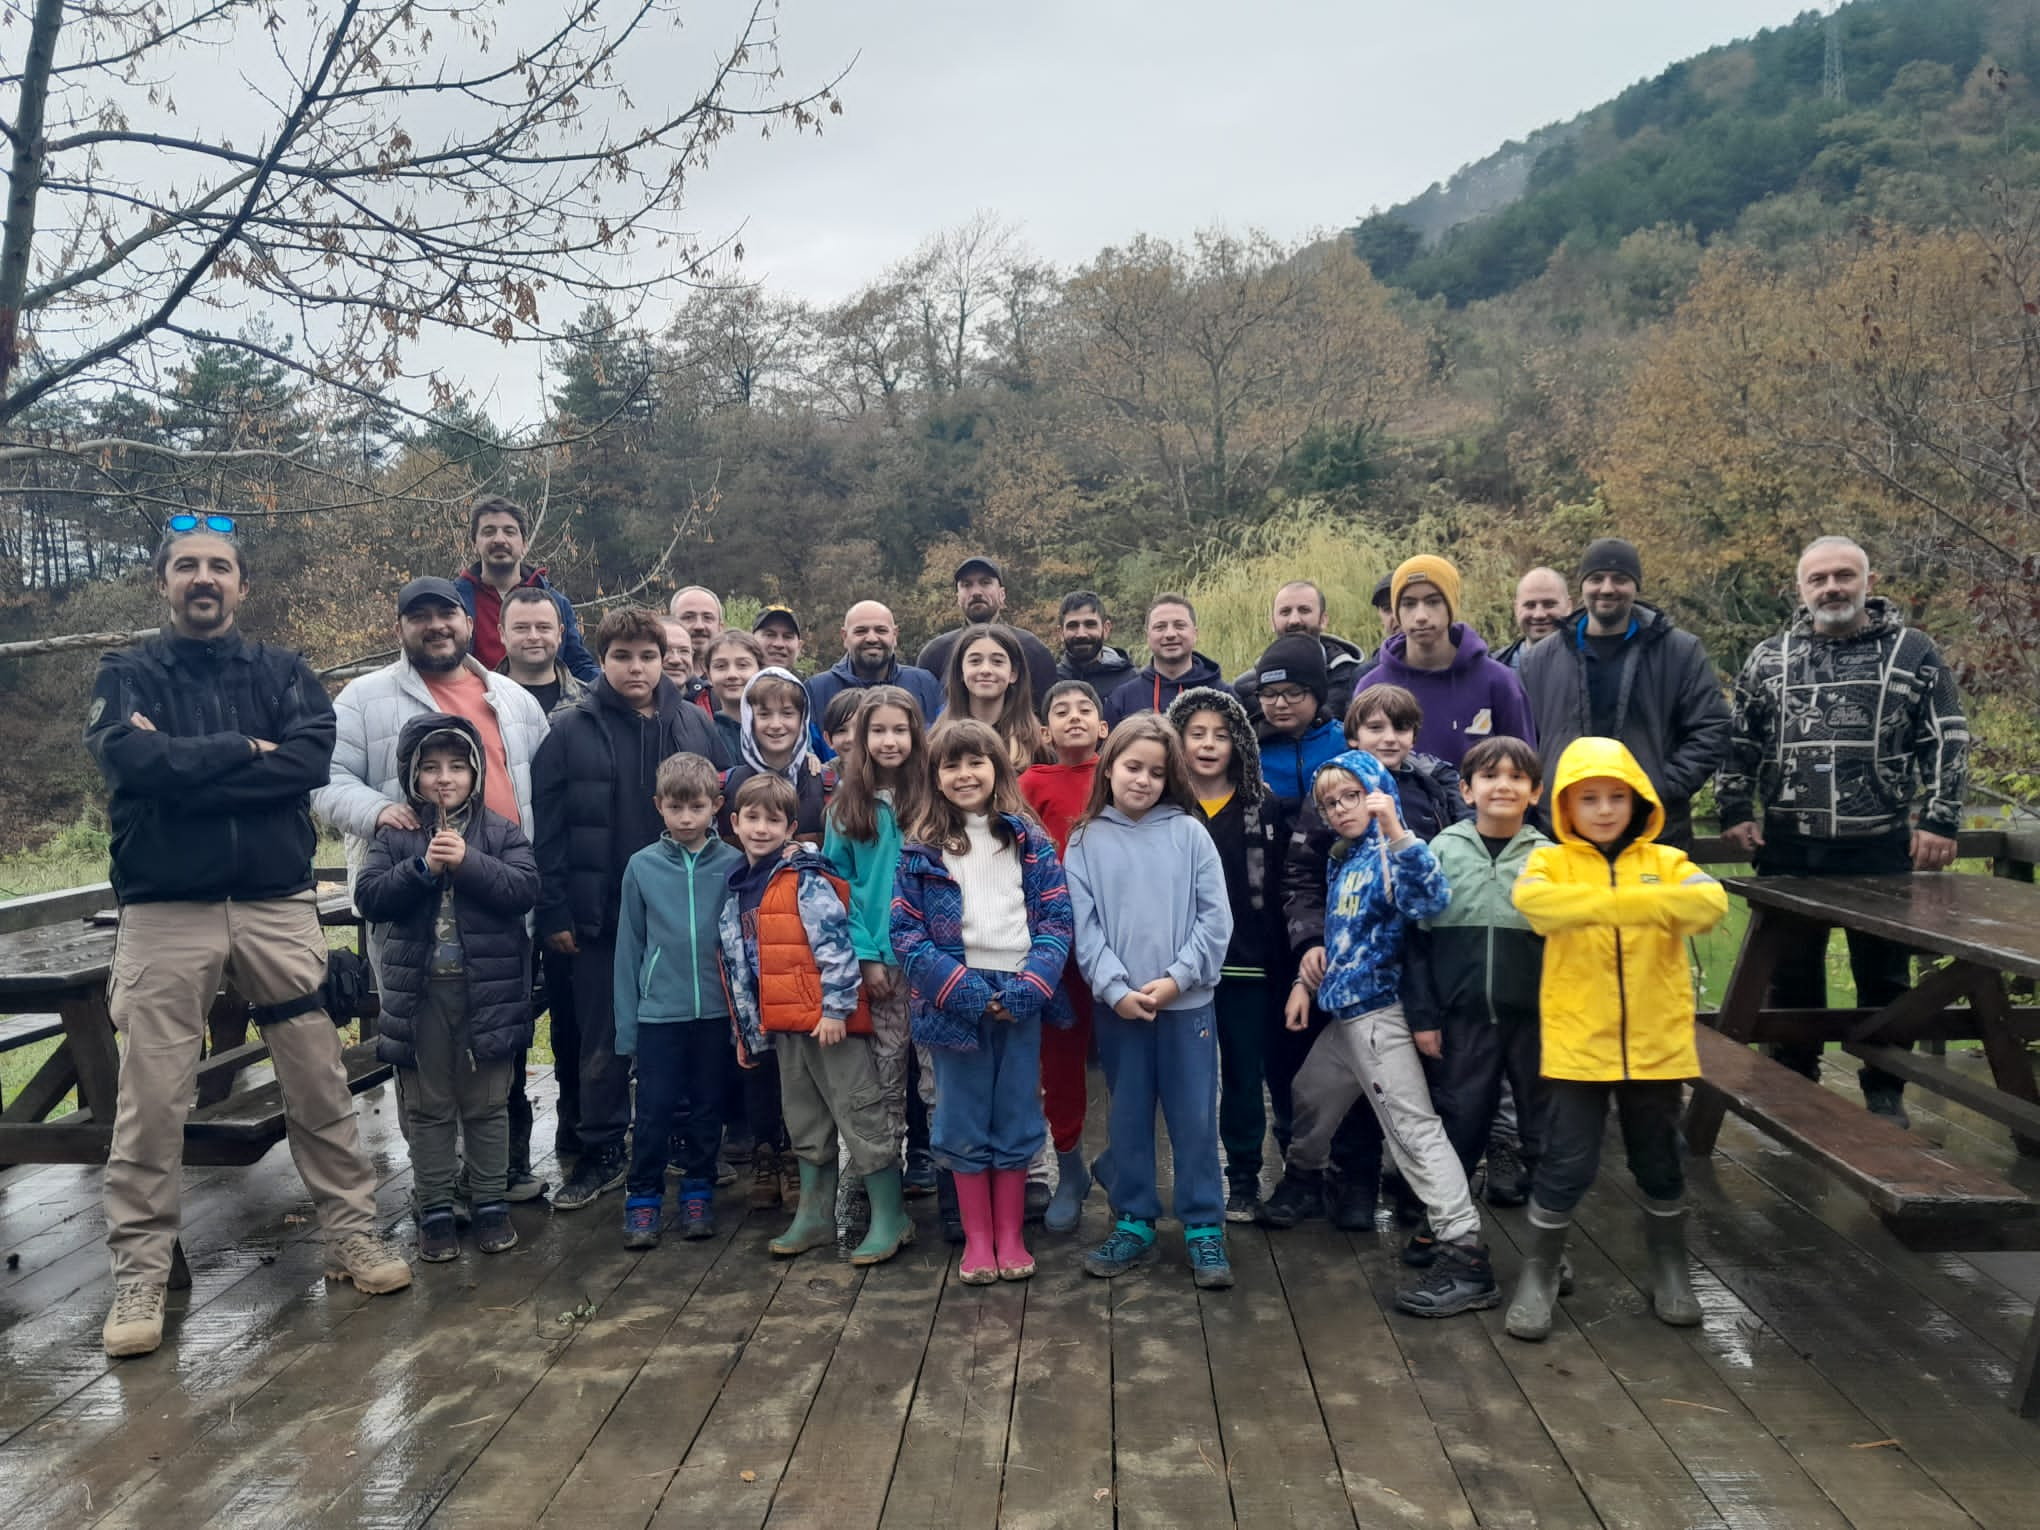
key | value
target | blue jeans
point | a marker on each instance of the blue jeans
(680, 1069)
(988, 1102)
(1171, 1062)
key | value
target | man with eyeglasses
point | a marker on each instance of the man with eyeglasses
(210, 746)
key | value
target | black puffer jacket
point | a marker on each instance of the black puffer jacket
(199, 812)
(1250, 832)
(592, 800)
(493, 888)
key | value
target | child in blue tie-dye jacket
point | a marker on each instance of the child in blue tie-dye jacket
(1379, 879)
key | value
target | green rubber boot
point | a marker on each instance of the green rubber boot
(814, 1224)
(891, 1231)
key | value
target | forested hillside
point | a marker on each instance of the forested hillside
(1725, 314)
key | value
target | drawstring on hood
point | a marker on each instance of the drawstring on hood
(1245, 767)
(420, 734)
(748, 737)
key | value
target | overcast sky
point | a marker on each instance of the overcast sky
(1087, 121)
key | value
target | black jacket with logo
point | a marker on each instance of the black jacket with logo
(199, 812)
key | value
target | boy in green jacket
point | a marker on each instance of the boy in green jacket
(672, 1013)
(1471, 974)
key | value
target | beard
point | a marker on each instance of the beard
(432, 663)
(1083, 650)
(1837, 616)
(980, 610)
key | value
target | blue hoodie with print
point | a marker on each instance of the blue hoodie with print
(1374, 887)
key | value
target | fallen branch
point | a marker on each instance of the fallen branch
(30, 647)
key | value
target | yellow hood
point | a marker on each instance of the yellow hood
(1585, 758)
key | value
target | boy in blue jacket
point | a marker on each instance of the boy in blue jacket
(672, 1014)
(1380, 878)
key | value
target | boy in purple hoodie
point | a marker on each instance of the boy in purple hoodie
(1465, 695)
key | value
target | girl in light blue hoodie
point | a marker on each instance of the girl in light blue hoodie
(1152, 925)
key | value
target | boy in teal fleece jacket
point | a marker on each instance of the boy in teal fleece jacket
(672, 1012)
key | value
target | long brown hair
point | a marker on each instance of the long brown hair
(1017, 726)
(854, 808)
(942, 822)
(1141, 728)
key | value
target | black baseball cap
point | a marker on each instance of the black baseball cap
(431, 587)
(979, 562)
(1381, 593)
(784, 613)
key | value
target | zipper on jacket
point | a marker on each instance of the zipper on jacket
(652, 966)
(1621, 986)
(1494, 875)
(691, 926)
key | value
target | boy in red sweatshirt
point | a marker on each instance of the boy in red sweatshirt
(1059, 794)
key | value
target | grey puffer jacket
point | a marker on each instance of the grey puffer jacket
(492, 889)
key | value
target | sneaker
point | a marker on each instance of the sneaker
(643, 1221)
(134, 1324)
(764, 1178)
(1421, 1252)
(1209, 1267)
(1350, 1204)
(524, 1186)
(1460, 1280)
(1131, 1243)
(697, 1217)
(725, 1171)
(1243, 1203)
(1507, 1183)
(920, 1176)
(594, 1176)
(1888, 1103)
(1301, 1195)
(438, 1235)
(493, 1232)
(369, 1262)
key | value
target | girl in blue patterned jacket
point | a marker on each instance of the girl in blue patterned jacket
(1379, 878)
(981, 926)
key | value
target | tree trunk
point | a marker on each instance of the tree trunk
(24, 178)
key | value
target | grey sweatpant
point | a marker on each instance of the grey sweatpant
(1373, 1055)
(448, 1098)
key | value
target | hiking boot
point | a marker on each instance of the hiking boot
(920, 1176)
(1132, 1242)
(134, 1324)
(1542, 1280)
(1067, 1206)
(524, 1186)
(1421, 1252)
(1460, 1280)
(493, 1232)
(1300, 1196)
(738, 1145)
(369, 1262)
(1243, 1201)
(946, 1207)
(594, 1176)
(1886, 1100)
(644, 1220)
(1671, 1269)
(1350, 1203)
(438, 1235)
(697, 1209)
(814, 1218)
(890, 1230)
(1508, 1181)
(1408, 1205)
(793, 1184)
(1209, 1267)
(764, 1178)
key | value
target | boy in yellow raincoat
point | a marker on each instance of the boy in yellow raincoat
(1614, 908)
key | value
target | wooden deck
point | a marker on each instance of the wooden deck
(1840, 1380)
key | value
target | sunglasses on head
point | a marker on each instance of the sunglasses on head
(223, 524)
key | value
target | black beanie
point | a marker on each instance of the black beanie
(1612, 555)
(1298, 659)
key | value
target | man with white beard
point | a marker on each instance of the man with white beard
(1841, 723)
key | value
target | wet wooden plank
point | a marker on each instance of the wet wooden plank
(842, 1466)
(1168, 1453)
(764, 1404)
(1392, 1460)
(1282, 1466)
(1989, 920)
(1060, 1442)
(952, 1455)
(623, 1472)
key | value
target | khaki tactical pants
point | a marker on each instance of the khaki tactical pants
(167, 966)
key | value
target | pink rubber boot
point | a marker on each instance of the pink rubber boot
(1009, 1212)
(980, 1266)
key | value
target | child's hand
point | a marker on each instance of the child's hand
(879, 979)
(1311, 970)
(1162, 992)
(1135, 1006)
(828, 1032)
(1430, 1043)
(997, 1010)
(1381, 808)
(1296, 1012)
(446, 851)
(562, 942)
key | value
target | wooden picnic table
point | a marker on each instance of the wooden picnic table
(63, 968)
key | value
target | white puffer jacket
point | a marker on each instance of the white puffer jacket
(372, 711)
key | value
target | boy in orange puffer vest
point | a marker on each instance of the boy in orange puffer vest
(796, 989)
